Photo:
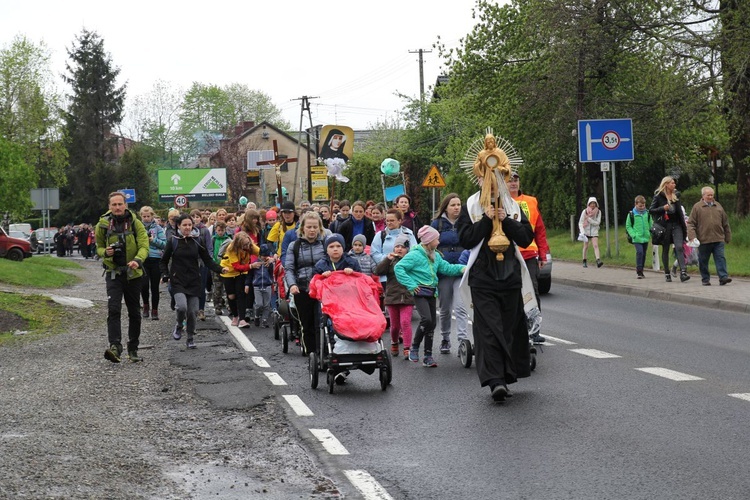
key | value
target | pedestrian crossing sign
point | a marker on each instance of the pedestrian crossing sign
(434, 179)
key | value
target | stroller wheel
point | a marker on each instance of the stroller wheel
(384, 378)
(388, 366)
(284, 339)
(465, 352)
(331, 381)
(276, 327)
(532, 363)
(312, 367)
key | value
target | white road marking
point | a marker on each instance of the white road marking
(260, 361)
(238, 334)
(275, 378)
(300, 408)
(329, 442)
(560, 341)
(743, 395)
(367, 485)
(595, 353)
(670, 374)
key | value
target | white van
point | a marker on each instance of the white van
(26, 228)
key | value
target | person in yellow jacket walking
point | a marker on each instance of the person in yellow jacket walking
(237, 258)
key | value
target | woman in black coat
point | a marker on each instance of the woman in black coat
(666, 209)
(183, 250)
(358, 223)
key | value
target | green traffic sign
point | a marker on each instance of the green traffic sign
(206, 184)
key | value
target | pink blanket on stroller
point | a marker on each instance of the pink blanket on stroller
(353, 304)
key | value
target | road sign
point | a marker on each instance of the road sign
(206, 184)
(605, 140)
(129, 195)
(180, 201)
(434, 179)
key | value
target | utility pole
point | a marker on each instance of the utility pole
(421, 53)
(305, 106)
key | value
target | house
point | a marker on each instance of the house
(260, 186)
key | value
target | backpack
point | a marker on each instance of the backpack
(632, 224)
(223, 248)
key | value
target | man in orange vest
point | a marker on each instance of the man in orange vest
(535, 255)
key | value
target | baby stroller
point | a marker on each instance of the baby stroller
(285, 323)
(352, 325)
(466, 350)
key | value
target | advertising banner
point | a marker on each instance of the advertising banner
(196, 184)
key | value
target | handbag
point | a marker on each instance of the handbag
(582, 237)
(658, 233)
(425, 291)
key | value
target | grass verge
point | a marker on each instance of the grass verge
(34, 314)
(38, 272)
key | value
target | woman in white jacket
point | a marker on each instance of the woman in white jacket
(588, 224)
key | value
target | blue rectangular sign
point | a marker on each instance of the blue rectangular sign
(129, 195)
(605, 140)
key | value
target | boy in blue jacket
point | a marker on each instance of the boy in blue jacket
(335, 259)
(260, 278)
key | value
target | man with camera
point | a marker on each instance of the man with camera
(122, 244)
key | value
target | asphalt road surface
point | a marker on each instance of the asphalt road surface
(631, 399)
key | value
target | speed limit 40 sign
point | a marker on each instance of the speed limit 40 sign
(180, 201)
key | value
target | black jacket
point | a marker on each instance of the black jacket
(673, 216)
(184, 272)
(346, 229)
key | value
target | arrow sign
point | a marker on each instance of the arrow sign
(129, 195)
(176, 179)
(605, 140)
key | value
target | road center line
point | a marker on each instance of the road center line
(669, 374)
(744, 396)
(300, 408)
(275, 378)
(239, 335)
(329, 442)
(260, 361)
(595, 353)
(560, 341)
(367, 485)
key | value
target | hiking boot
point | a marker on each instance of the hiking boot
(145, 311)
(177, 332)
(724, 281)
(668, 278)
(201, 315)
(445, 347)
(599, 263)
(113, 353)
(190, 344)
(155, 314)
(429, 362)
(684, 276)
(406, 354)
(133, 356)
(414, 355)
(394, 349)
(584, 263)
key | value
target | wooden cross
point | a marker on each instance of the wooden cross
(277, 163)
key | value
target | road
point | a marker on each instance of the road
(602, 416)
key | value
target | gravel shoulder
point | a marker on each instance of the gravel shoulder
(182, 424)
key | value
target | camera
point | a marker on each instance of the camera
(119, 249)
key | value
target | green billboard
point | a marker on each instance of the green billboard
(196, 184)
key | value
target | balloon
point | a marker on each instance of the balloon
(390, 166)
(243, 200)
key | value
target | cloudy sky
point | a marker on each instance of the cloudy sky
(353, 56)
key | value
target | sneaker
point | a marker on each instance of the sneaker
(429, 362)
(394, 349)
(243, 324)
(201, 315)
(538, 339)
(113, 353)
(445, 347)
(406, 354)
(155, 314)
(177, 332)
(706, 283)
(133, 356)
(668, 278)
(499, 393)
(599, 263)
(724, 281)
(414, 355)
(190, 344)
(684, 276)
(639, 276)
(145, 311)
(235, 321)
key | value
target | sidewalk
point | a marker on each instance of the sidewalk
(734, 296)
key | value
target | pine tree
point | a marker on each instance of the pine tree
(95, 109)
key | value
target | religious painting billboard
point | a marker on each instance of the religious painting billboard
(337, 141)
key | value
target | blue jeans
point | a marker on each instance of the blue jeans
(704, 253)
(640, 255)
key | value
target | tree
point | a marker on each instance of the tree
(17, 180)
(95, 110)
(29, 113)
(134, 173)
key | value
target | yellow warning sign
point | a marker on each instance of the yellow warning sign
(434, 179)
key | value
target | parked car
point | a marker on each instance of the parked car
(45, 235)
(13, 248)
(545, 276)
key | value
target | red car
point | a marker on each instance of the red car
(13, 248)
